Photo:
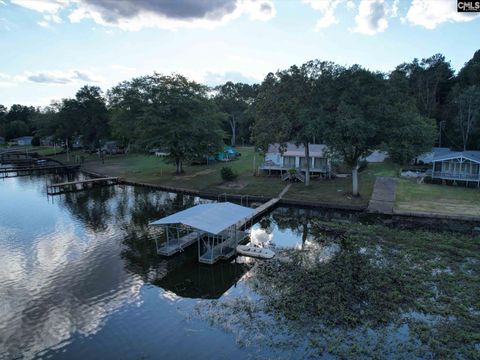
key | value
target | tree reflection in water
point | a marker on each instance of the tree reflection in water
(130, 209)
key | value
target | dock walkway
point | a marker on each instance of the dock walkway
(383, 197)
(35, 170)
(80, 185)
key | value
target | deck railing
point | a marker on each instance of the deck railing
(269, 166)
(455, 176)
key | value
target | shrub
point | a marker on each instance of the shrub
(228, 174)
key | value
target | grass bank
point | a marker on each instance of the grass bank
(435, 198)
(155, 170)
(411, 197)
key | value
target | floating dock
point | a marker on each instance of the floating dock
(80, 185)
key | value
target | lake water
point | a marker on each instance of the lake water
(80, 278)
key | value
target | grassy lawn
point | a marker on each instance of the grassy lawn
(339, 190)
(410, 195)
(435, 198)
(154, 170)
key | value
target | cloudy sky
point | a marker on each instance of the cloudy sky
(50, 48)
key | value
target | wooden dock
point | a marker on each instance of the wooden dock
(35, 170)
(258, 212)
(80, 185)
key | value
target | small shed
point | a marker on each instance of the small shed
(214, 226)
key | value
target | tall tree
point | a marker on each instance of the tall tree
(171, 112)
(430, 81)
(92, 114)
(469, 75)
(467, 102)
(235, 99)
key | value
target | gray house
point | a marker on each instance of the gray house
(293, 157)
(2, 140)
(461, 165)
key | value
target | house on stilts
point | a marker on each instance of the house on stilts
(457, 166)
(217, 228)
(290, 161)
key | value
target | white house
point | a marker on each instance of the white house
(293, 157)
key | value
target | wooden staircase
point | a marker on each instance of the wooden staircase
(291, 176)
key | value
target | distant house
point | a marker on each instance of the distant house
(461, 165)
(377, 156)
(293, 157)
(22, 141)
(2, 140)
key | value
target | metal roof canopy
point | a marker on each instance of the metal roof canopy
(469, 155)
(212, 218)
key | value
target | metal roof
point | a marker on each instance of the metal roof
(470, 155)
(316, 150)
(212, 218)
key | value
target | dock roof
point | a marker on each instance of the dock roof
(212, 218)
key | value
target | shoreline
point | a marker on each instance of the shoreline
(396, 216)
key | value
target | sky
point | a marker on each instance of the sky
(50, 48)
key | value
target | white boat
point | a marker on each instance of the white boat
(254, 251)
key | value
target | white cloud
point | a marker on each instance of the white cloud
(212, 78)
(134, 15)
(372, 16)
(431, 13)
(327, 9)
(59, 77)
(49, 6)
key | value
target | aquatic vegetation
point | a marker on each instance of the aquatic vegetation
(385, 292)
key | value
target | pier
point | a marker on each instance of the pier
(80, 185)
(34, 170)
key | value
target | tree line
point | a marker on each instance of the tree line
(352, 109)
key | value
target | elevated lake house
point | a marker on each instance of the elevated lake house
(292, 158)
(457, 166)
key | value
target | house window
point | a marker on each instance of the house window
(475, 169)
(289, 161)
(319, 163)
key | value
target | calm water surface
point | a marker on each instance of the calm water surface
(80, 279)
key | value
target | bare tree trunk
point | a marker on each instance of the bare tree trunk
(177, 164)
(233, 125)
(307, 159)
(355, 180)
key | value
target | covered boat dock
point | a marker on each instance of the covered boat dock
(215, 227)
